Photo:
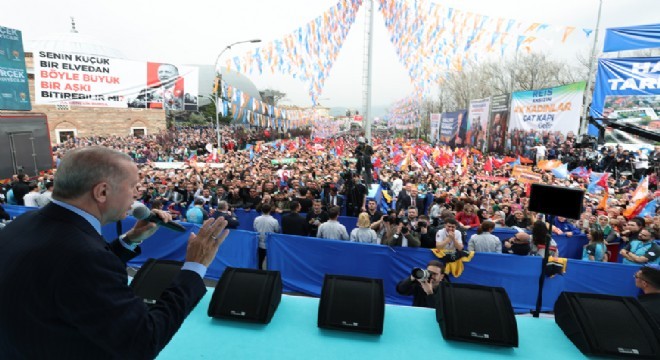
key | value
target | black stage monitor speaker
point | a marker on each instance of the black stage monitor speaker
(476, 313)
(154, 277)
(608, 325)
(352, 303)
(556, 201)
(246, 295)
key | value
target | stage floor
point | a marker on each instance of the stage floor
(408, 333)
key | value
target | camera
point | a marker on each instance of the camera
(422, 224)
(421, 274)
(404, 230)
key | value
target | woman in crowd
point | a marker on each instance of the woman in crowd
(595, 250)
(484, 240)
(467, 218)
(363, 233)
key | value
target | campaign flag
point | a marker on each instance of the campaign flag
(642, 190)
(488, 166)
(649, 209)
(561, 172)
(580, 171)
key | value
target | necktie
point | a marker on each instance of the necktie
(413, 202)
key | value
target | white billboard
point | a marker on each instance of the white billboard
(90, 80)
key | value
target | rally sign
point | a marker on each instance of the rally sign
(90, 80)
(435, 126)
(525, 175)
(548, 110)
(14, 89)
(478, 116)
(627, 90)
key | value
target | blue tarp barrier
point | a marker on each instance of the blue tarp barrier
(632, 38)
(16, 210)
(303, 262)
(569, 247)
(238, 250)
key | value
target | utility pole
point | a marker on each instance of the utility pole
(584, 122)
(366, 69)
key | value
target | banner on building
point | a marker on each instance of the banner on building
(478, 115)
(453, 126)
(90, 80)
(435, 127)
(552, 110)
(14, 88)
(628, 90)
(497, 124)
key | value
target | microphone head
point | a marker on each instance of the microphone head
(141, 212)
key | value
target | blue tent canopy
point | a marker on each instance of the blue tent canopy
(632, 38)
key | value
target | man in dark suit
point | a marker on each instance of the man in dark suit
(332, 199)
(293, 223)
(65, 292)
(403, 201)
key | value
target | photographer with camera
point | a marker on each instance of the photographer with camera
(423, 284)
(356, 194)
(363, 153)
(401, 234)
(426, 232)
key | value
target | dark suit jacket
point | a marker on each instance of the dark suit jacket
(403, 201)
(294, 224)
(65, 294)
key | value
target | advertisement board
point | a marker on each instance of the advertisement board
(89, 80)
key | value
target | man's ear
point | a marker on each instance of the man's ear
(100, 192)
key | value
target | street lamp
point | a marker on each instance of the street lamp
(218, 92)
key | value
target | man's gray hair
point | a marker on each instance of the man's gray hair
(223, 205)
(81, 169)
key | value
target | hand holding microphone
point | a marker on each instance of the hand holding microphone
(141, 212)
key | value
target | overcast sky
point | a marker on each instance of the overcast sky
(195, 31)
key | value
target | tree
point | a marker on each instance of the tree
(271, 96)
(208, 111)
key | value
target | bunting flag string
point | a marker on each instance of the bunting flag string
(431, 39)
(248, 110)
(308, 52)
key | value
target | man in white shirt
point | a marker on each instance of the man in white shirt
(397, 185)
(449, 239)
(46, 196)
(540, 152)
(30, 199)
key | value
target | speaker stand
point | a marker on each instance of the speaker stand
(544, 263)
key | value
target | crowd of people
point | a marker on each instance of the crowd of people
(432, 196)
(430, 188)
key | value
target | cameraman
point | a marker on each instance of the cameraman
(401, 234)
(363, 153)
(356, 196)
(424, 290)
(426, 232)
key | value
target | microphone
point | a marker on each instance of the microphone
(143, 213)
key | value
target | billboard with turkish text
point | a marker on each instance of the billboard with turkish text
(90, 80)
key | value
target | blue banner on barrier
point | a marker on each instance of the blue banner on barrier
(238, 250)
(303, 262)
